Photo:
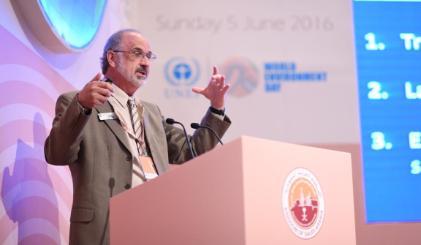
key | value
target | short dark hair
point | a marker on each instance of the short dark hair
(112, 43)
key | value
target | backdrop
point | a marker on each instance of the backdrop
(290, 64)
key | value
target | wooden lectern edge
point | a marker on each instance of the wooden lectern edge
(333, 147)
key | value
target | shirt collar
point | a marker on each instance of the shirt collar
(120, 95)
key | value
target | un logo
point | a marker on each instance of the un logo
(181, 71)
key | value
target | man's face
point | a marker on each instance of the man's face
(131, 63)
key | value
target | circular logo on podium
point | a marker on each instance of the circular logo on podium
(302, 203)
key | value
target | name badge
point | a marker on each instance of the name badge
(148, 167)
(107, 116)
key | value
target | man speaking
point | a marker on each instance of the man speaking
(112, 140)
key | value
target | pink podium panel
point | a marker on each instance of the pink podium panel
(250, 191)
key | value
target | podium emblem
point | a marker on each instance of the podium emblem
(303, 203)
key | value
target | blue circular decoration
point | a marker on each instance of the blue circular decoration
(74, 22)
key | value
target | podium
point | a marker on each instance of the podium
(250, 191)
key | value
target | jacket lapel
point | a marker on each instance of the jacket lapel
(114, 125)
(152, 141)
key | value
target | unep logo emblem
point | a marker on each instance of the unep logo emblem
(303, 203)
(242, 74)
(182, 72)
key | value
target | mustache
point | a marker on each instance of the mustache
(142, 69)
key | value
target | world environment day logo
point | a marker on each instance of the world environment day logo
(242, 74)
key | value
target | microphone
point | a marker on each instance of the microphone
(172, 121)
(197, 126)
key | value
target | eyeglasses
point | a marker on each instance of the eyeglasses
(137, 53)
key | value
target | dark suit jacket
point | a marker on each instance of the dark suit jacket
(97, 153)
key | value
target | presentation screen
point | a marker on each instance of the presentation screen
(388, 41)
